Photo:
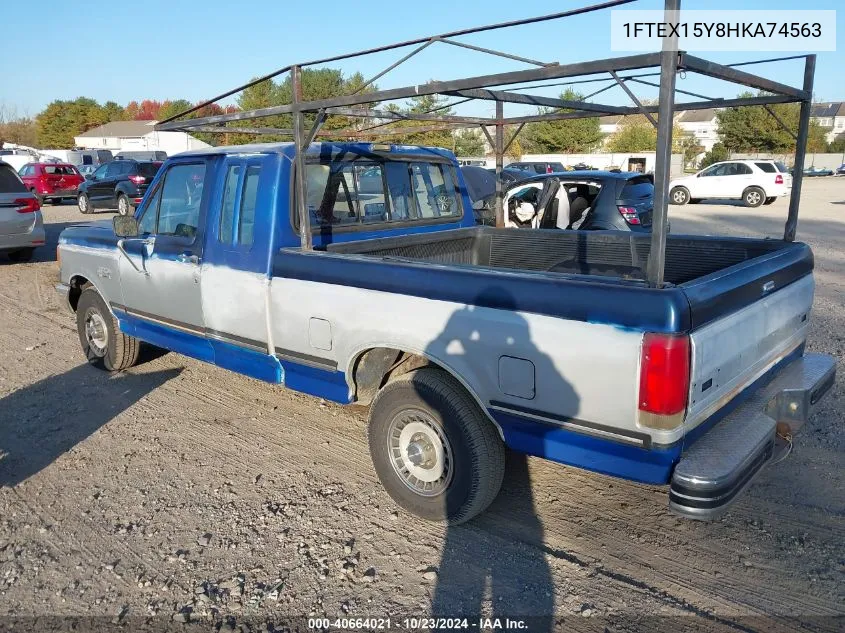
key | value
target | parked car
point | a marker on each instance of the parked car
(51, 181)
(751, 181)
(141, 155)
(585, 200)
(818, 171)
(21, 224)
(462, 339)
(120, 185)
(840, 171)
(509, 175)
(541, 167)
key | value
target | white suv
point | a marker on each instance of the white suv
(755, 182)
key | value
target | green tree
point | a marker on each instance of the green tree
(753, 129)
(838, 144)
(432, 138)
(571, 136)
(468, 143)
(635, 134)
(716, 155)
(114, 111)
(15, 128)
(61, 121)
(170, 108)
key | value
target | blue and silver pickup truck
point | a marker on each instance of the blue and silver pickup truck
(462, 339)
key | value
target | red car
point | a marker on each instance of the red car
(51, 180)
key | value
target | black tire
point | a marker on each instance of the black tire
(770, 200)
(118, 351)
(83, 202)
(475, 460)
(679, 196)
(123, 206)
(22, 255)
(753, 197)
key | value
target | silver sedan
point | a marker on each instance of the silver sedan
(21, 224)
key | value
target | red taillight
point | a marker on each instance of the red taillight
(548, 169)
(137, 179)
(779, 179)
(664, 380)
(630, 215)
(27, 205)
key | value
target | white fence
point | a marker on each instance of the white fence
(826, 161)
(639, 161)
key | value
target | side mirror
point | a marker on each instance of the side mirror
(125, 226)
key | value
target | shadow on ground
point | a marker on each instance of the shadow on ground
(40, 422)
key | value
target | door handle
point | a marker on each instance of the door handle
(187, 258)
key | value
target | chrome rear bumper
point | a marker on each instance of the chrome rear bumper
(720, 465)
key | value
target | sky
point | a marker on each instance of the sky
(169, 49)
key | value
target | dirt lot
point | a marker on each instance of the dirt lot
(177, 491)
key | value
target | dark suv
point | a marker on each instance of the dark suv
(538, 167)
(120, 184)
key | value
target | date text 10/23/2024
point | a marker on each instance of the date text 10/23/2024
(418, 623)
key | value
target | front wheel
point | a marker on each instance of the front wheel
(679, 195)
(753, 197)
(435, 452)
(122, 204)
(103, 344)
(83, 203)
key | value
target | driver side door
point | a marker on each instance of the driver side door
(162, 298)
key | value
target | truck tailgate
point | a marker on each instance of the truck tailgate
(744, 322)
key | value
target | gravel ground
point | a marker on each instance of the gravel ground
(178, 492)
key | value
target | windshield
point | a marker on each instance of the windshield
(60, 170)
(367, 191)
(148, 170)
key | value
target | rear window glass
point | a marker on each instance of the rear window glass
(366, 191)
(60, 170)
(640, 187)
(769, 168)
(9, 181)
(148, 170)
(781, 167)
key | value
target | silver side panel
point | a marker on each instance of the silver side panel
(100, 266)
(578, 370)
(734, 351)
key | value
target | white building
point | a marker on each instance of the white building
(137, 135)
(830, 115)
(702, 125)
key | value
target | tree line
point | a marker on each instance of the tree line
(747, 129)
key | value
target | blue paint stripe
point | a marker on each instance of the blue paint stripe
(650, 466)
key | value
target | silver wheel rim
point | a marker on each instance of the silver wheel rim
(83, 203)
(420, 452)
(122, 206)
(680, 196)
(96, 332)
(753, 197)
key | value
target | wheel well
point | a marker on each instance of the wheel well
(376, 366)
(78, 283)
(744, 191)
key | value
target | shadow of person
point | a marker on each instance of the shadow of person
(43, 420)
(495, 566)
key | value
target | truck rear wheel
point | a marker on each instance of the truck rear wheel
(434, 451)
(103, 344)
